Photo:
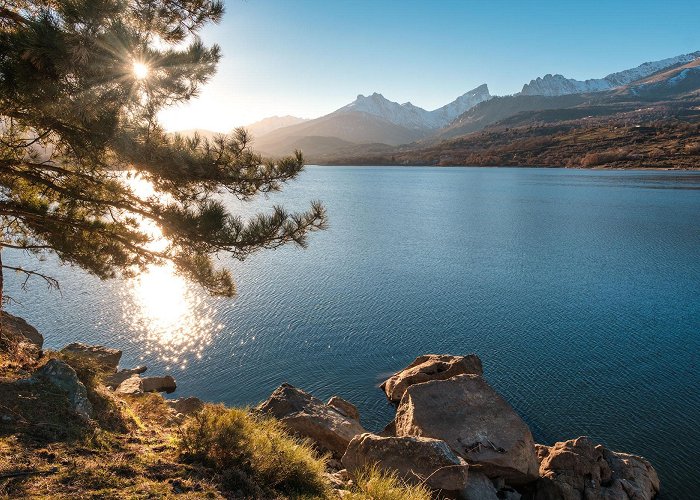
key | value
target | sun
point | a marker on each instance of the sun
(140, 70)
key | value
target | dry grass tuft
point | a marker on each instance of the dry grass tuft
(255, 454)
(374, 484)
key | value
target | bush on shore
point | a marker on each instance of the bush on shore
(253, 453)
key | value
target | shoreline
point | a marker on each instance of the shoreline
(605, 169)
(452, 434)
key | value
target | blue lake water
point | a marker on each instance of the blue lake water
(579, 290)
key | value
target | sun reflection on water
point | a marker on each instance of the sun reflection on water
(171, 315)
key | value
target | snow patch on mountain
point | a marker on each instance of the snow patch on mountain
(554, 85)
(414, 117)
(682, 75)
(446, 114)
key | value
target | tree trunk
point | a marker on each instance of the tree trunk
(1, 292)
(1, 284)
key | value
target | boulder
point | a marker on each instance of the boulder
(159, 384)
(112, 381)
(345, 408)
(389, 429)
(430, 367)
(18, 330)
(105, 356)
(479, 487)
(415, 459)
(131, 386)
(309, 417)
(63, 376)
(579, 468)
(186, 406)
(475, 421)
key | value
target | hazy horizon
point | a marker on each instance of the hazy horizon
(310, 58)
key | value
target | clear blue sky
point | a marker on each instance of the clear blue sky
(309, 57)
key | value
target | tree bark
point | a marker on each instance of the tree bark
(2, 284)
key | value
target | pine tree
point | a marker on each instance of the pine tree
(81, 83)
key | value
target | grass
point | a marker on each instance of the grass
(372, 483)
(256, 454)
(135, 448)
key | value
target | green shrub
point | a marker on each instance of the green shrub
(253, 453)
(374, 484)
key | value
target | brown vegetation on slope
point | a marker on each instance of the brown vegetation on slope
(659, 136)
(139, 447)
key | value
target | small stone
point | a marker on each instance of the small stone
(113, 380)
(131, 386)
(186, 406)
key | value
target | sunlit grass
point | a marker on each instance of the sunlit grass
(374, 484)
(255, 454)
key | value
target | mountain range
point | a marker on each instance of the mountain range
(371, 119)
(554, 85)
(374, 127)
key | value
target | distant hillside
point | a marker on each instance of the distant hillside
(375, 127)
(345, 129)
(368, 120)
(654, 122)
(267, 125)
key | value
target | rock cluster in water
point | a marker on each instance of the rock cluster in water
(454, 433)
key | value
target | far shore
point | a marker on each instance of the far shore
(615, 169)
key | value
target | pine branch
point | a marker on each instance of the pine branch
(50, 281)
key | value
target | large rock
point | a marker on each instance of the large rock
(105, 356)
(159, 384)
(416, 460)
(309, 417)
(15, 329)
(112, 381)
(579, 468)
(430, 367)
(63, 376)
(475, 421)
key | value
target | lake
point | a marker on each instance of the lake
(579, 290)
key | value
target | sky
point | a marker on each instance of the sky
(309, 57)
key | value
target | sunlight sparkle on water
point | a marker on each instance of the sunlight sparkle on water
(168, 311)
(173, 321)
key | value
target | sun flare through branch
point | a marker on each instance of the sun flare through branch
(140, 70)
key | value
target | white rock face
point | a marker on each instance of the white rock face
(413, 117)
(554, 85)
(463, 103)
